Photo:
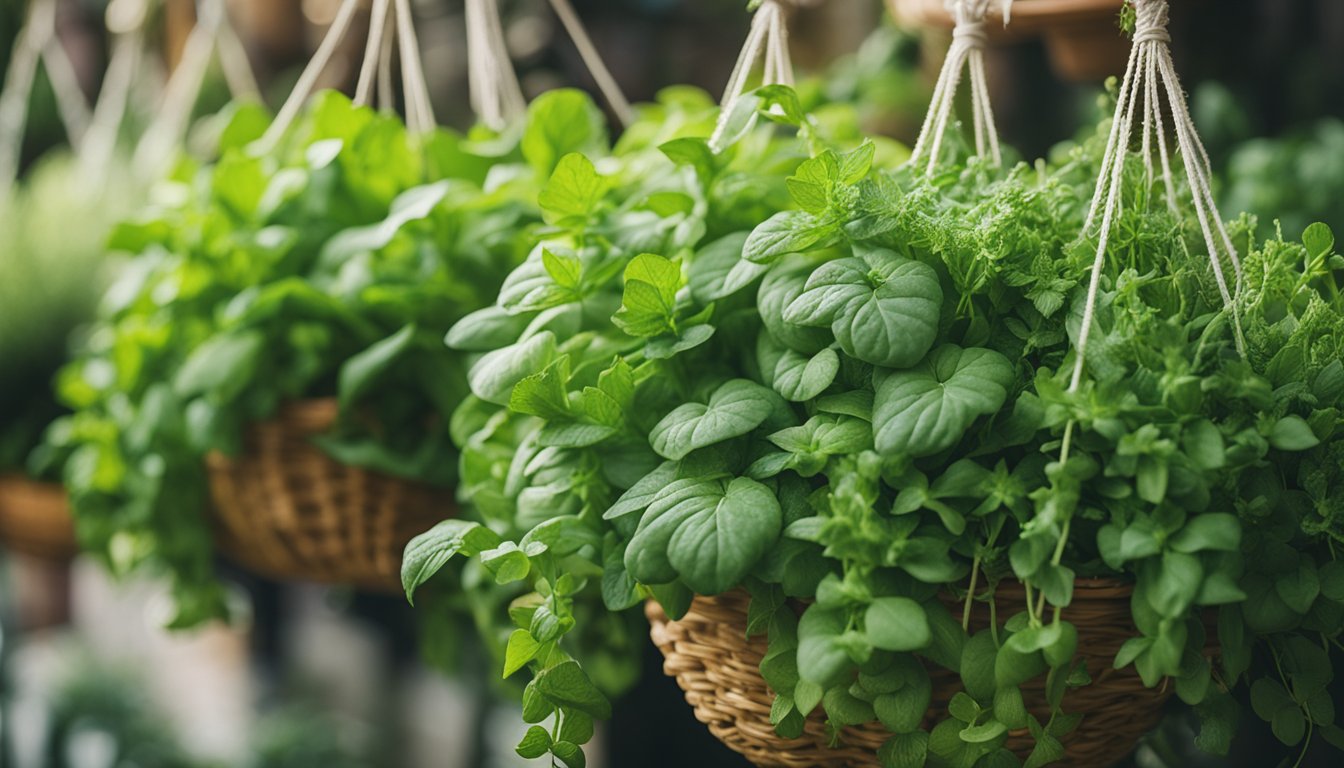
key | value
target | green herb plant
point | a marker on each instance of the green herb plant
(850, 402)
(330, 267)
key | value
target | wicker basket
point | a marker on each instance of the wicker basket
(287, 510)
(719, 669)
(35, 518)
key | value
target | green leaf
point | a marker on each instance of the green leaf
(795, 376)
(221, 367)
(984, 732)
(410, 206)
(821, 658)
(544, 394)
(521, 649)
(1208, 532)
(567, 686)
(1291, 433)
(710, 533)
(573, 192)
(364, 370)
(650, 300)
(427, 553)
(882, 308)
(535, 743)
(735, 408)
(570, 754)
(897, 624)
(1319, 240)
(493, 377)
(905, 750)
(928, 409)
(785, 233)
(559, 122)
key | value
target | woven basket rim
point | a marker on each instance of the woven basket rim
(716, 665)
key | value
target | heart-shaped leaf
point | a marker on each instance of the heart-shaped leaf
(710, 533)
(927, 409)
(882, 308)
(734, 409)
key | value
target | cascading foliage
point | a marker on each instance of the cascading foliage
(843, 386)
(331, 266)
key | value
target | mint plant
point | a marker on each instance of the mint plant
(843, 386)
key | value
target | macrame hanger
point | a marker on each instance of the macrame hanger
(1150, 73)
(767, 40)
(496, 95)
(616, 99)
(967, 54)
(326, 51)
(37, 43)
(125, 22)
(213, 36)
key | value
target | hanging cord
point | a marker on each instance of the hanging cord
(125, 21)
(413, 72)
(37, 43)
(496, 95)
(768, 38)
(391, 28)
(1149, 73)
(616, 99)
(208, 38)
(289, 111)
(967, 53)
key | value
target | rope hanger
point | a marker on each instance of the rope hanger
(1150, 73)
(38, 43)
(967, 53)
(213, 36)
(767, 39)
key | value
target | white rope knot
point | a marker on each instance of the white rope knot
(1151, 19)
(972, 34)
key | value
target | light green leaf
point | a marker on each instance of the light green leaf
(493, 377)
(785, 233)
(521, 649)
(572, 193)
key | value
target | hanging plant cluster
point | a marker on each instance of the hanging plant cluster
(974, 464)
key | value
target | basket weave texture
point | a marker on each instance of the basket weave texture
(35, 518)
(286, 510)
(708, 653)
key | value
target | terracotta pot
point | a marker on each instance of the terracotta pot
(1081, 36)
(35, 519)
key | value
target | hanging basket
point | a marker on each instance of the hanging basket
(287, 510)
(708, 653)
(1082, 37)
(35, 518)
